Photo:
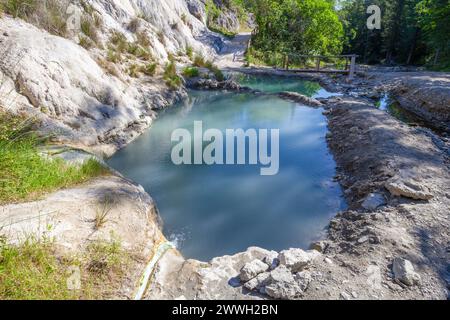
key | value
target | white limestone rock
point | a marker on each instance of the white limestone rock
(252, 269)
(405, 184)
(297, 259)
(404, 272)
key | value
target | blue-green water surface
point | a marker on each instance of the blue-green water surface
(215, 210)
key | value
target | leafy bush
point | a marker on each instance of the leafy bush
(190, 72)
(119, 41)
(171, 77)
(189, 52)
(89, 29)
(149, 69)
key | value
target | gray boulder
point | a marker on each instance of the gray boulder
(405, 184)
(297, 259)
(271, 260)
(197, 9)
(281, 284)
(252, 269)
(303, 280)
(258, 282)
(404, 272)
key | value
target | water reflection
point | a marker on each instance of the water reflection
(217, 210)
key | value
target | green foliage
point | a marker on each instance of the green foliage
(199, 61)
(149, 69)
(24, 173)
(413, 32)
(434, 21)
(189, 52)
(113, 56)
(297, 26)
(89, 29)
(191, 72)
(85, 42)
(119, 41)
(173, 80)
(47, 14)
(19, 8)
(133, 70)
(222, 31)
(34, 271)
(213, 12)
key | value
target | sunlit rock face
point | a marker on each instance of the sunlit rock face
(72, 92)
(170, 18)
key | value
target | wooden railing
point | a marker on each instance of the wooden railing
(345, 64)
(322, 63)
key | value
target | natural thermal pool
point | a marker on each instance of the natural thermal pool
(215, 210)
(273, 84)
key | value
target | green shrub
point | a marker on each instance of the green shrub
(218, 74)
(149, 69)
(47, 14)
(85, 42)
(119, 41)
(113, 56)
(189, 52)
(143, 54)
(171, 77)
(199, 61)
(88, 29)
(191, 72)
(134, 70)
(19, 8)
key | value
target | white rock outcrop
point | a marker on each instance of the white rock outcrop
(79, 101)
(297, 259)
(404, 272)
(251, 269)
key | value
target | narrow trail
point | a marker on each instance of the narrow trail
(233, 52)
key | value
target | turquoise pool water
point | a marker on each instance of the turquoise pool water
(214, 210)
(275, 84)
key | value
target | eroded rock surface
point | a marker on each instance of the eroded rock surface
(69, 217)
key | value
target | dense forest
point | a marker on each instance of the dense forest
(413, 32)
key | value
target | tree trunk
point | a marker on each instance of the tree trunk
(436, 57)
(393, 37)
(413, 46)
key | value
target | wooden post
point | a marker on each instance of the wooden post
(286, 62)
(346, 63)
(351, 74)
(318, 64)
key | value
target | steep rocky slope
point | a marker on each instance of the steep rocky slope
(90, 101)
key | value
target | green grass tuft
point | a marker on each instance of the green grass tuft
(173, 80)
(24, 173)
(191, 72)
(34, 270)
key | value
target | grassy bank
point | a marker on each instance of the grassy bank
(33, 271)
(24, 173)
